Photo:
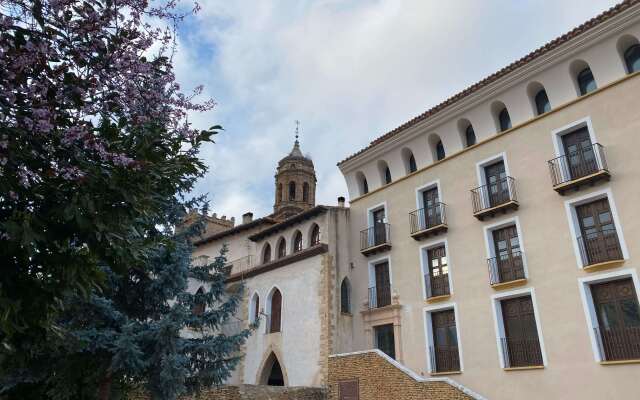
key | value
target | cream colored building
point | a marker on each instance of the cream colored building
(495, 238)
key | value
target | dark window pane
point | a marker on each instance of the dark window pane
(387, 175)
(586, 81)
(505, 120)
(470, 135)
(542, 102)
(439, 151)
(632, 58)
(412, 164)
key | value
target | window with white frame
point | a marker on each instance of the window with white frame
(595, 228)
(254, 308)
(612, 310)
(435, 269)
(443, 349)
(379, 283)
(505, 252)
(430, 210)
(578, 154)
(496, 186)
(518, 332)
(377, 232)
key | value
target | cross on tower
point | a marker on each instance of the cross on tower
(297, 129)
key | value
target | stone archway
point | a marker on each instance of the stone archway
(272, 372)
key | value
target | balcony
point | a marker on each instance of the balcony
(499, 196)
(427, 222)
(240, 265)
(600, 248)
(521, 353)
(617, 344)
(444, 360)
(584, 167)
(506, 270)
(379, 297)
(437, 287)
(375, 239)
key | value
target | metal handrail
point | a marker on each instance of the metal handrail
(375, 235)
(600, 246)
(506, 268)
(578, 164)
(426, 218)
(379, 297)
(492, 195)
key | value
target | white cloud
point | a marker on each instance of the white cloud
(349, 70)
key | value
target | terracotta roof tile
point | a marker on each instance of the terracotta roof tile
(502, 72)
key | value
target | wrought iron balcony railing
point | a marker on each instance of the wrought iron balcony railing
(379, 297)
(444, 359)
(521, 352)
(377, 235)
(599, 246)
(436, 285)
(506, 268)
(586, 162)
(494, 195)
(617, 344)
(428, 218)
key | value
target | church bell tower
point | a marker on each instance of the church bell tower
(295, 183)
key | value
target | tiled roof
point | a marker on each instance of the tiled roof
(236, 229)
(310, 213)
(501, 73)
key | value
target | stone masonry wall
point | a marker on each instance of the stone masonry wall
(379, 379)
(253, 392)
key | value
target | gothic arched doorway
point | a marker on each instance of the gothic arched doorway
(272, 373)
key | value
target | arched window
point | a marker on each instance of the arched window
(413, 167)
(266, 254)
(365, 186)
(362, 183)
(282, 248)
(345, 296)
(199, 304)
(315, 235)
(586, 81)
(632, 58)
(470, 136)
(542, 102)
(504, 120)
(297, 242)
(387, 175)
(279, 192)
(275, 312)
(305, 192)
(254, 312)
(440, 151)
(292, 191)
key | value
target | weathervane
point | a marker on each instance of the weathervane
(297, 129)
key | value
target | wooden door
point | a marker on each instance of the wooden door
(348, 390)
(432, 213)
(521, 333)
(508, 257)
(497, 185)
(383, 284)
(379, 232)
(616, 305)
(276, 311)
(438, 272)
(579, 154)
(385, 340)
(599, 240)
(445, 341)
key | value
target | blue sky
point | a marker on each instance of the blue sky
(348, 70)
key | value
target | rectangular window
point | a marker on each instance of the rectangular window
(618, 319)
(437, 279)
(507, 265)
(444, 353)
(385, 340)
(380, 293)
(496, 184)
(379, 231)
(348, 390)
(520, 344)
(598, 241)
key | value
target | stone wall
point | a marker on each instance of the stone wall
(253, 392)
(380, 378)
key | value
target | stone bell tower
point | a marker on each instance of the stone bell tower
(295, 183)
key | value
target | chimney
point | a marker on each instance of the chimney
(340, 201)
(247, 217)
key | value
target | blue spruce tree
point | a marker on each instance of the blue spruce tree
(142, 330)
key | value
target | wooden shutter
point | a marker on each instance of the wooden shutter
(348, 390)
(521, 332)
(276, 309)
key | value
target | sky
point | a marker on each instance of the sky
(349, 71)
